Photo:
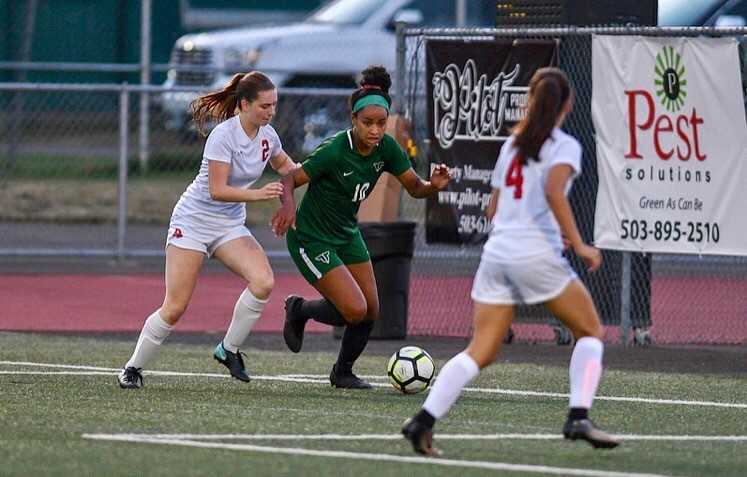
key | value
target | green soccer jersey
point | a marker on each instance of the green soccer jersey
(340, 179)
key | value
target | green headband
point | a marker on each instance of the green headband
(371, 99)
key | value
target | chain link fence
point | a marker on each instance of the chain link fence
(64, 148)
(72, 182)
(664, 298)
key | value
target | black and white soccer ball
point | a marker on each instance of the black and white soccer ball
(410, 370)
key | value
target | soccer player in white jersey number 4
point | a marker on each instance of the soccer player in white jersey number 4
(209, 219)
(522, 262)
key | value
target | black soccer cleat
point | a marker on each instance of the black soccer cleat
(421, 438)
(345, 379)
(233, 361)
(642, 337)
(130, 378)
(585, 429)
(563, 336)
(294, 325)
(510, 336)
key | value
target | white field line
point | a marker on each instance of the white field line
(396, 437)
(53, 365)
(373, 377)
(322, 379)
(389, 458)
(60, 373)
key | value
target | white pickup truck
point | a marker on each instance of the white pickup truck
(328, 49)
(336, 42)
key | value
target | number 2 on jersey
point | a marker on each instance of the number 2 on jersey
(515, 177)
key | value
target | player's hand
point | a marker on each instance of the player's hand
(283, 219)
(566, 243)
(273, 190)
(440, 177)
(591, 256)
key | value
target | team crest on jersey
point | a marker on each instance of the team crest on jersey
(323, 257)
(378, 166)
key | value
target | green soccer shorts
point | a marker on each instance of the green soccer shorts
(314, 258)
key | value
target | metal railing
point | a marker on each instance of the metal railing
(88, 122)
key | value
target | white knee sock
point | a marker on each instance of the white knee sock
(457, 373)
(155, 330)
(585, 371)
(245, 314)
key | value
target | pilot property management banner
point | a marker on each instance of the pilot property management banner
(669, 115)
(477, 91)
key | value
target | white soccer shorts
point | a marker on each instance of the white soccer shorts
(203, 239)
(528, 282)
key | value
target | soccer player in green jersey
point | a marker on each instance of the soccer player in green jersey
(325, 242)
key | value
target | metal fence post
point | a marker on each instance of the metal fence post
(625, 323)
(461, 13)
(400, 66)
(16, 120)
(124, 118)
(145, 60)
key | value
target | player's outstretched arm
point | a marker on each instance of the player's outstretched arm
(285, 216)
(222, 192)
(419, 188)
(283, 164)
(561, 209)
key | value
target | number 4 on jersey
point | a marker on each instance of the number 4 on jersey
(515, 178)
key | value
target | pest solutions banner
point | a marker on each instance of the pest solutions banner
(476, 92)
(669, 115)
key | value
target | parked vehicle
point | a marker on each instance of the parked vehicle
(328, 49)
(337, 41)
(702, 12)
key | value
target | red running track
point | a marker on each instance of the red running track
(684, 310)
(122, 302)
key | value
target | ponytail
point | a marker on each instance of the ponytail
(221, 105)
(549, 90)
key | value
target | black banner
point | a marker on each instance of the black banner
(476, 92)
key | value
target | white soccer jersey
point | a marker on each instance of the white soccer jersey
(248, 157)
(524, 226)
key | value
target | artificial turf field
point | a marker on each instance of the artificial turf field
(61, 413)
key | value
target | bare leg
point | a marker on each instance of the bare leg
(356, 335)
(182, 269)
(246, 258)
(352, 291)
(491, 323)
(341, 289)
(575, 308)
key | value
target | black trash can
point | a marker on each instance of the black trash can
(391, 246)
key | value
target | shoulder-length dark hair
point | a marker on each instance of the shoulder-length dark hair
(549, 90)
(221, 105)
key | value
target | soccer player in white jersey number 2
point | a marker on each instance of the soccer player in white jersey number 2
(208, 220)
(522, 262)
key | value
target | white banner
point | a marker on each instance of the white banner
(671, 138)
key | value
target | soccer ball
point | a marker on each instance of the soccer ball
(410, 370)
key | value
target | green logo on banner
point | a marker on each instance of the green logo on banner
(670, 79)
